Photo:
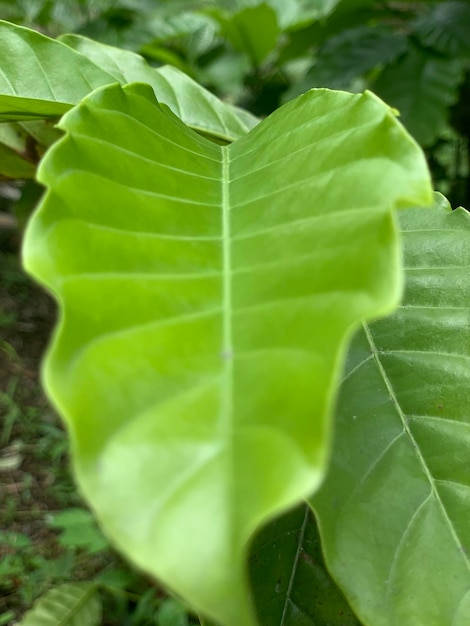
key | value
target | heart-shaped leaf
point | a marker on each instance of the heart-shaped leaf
(207, 293)
(395, 506)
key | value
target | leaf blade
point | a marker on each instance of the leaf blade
(197, 304)
(402, 466)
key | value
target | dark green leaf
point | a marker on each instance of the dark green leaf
(350, 55)
(446, 28)
(290, 584)
(422, 86)
(394, 508)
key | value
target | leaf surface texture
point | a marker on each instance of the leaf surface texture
(394, 508)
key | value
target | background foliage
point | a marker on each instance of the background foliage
(259, 54)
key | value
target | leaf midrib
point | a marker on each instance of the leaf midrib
(226, 409)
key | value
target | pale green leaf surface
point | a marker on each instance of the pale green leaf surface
(206, 294)
(289, 582)
(43, 78)
(193, 104)
(395, 506)
(74, 604)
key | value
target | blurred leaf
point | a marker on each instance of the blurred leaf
(349, 55)
(446, 28)
(289, 580)
(15, 540)
(76, 604)
(44, 132)
(227, 73)
(172, 613)
(422, 86)
(144, 610)
(394, 508)
(6, 618)
(17, 153)
(196, 106)
(79, 530)
(253, 30)
(116, 577)
(295, 14)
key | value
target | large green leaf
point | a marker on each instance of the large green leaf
(394, 509)
(197, 107)
(422, 85)
(445, 28)
(74, 604)
(41, 77)
(290, 584)
(207, 293)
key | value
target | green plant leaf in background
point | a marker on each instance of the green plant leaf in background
(79, 530)
(172, 613)
(253, 30)
(197, 107)
(17, 154)
(43, 78)
(445, 28)
(395, 506)
(290, 584)
(40, 77)
(422, 85)
(207, 294)
(74, 604)
(350, 54)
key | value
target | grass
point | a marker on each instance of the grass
(47, 535)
